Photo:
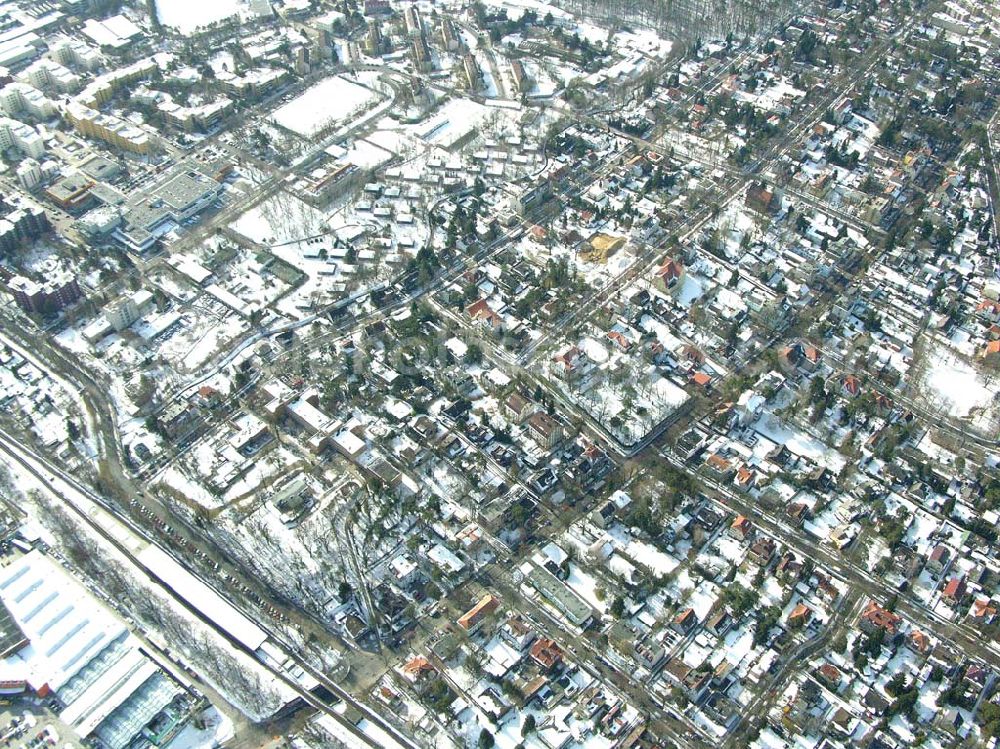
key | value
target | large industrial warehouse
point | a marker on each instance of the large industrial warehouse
(58, 641)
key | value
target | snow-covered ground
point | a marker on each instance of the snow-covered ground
(216, 730)
(217, 661)
(640, 552)
(456, 119)
(188, 15)
(280, 219)
(330, 102)
(771, 427)
(956, 385)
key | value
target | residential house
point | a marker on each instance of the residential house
(701, 380)
(850, 386)
(919, 642)
(875, 617)
(741, 528)
(745, 478)
(545, 429)
(480, 311)
(719, 623)
(983, 611)
(404, 570)
(797, 513)
(569, 364)
(685, 621)
(799, 616)
(954, 591)
(694, 682)
(719, 465)
(516, 407)
(546, 653)
(938, 559)
(517, 633)
(759, 198)
(762, 551)
(669, 277)
(418, 669)
(471, 619)
(829, 676)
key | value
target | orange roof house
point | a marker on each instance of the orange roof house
(669, 274)
(745, 477)
(418, 667)
(989, 307)
(483, 608)
(920, 642)
(800, 615)
(685, 621)
(830, 673)
(719, 464)
(620, 339)
(741, 527)
(954, 590)
(701, 379)
(481, 311)
(546, 653)
(983, 608)
(852, 385)
(876, 617)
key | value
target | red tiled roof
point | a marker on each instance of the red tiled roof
(701, 379)
(880, 617)
(486, 605)
(801, 611)
(546, 652)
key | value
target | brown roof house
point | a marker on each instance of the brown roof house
(669, 277)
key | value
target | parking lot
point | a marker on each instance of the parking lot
(27, 723)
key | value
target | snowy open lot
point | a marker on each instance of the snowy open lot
(955, 384)
(188, 15)
(280, 219)
(328, 103)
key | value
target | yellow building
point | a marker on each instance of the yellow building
(112, 130)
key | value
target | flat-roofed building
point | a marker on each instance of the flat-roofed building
(51, 295)
(571, 606)
(72, 192)
(84, 658)
(520, 76)
(182, 194)
(110, 129)
(24, 138)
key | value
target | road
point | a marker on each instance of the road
(857, 577)
(93, 392)
(993, 178)
(755, 714)
(342, 523)
(681, 730)
(51, 358)
(937, 416)
(730, 189)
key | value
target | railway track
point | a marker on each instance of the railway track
(50, 476)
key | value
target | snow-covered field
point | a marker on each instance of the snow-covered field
(455, 120)
(280, 219)
(956, 385)
(773, 429)
(188, 15)
(328, 103)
